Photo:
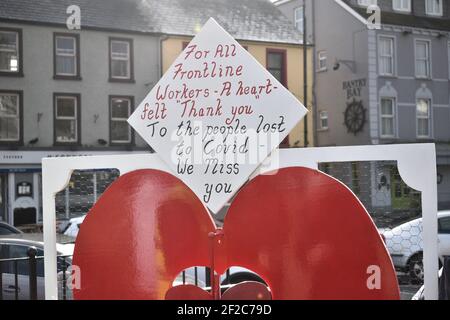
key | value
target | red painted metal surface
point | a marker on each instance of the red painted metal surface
(303, 232)
(247, 291)
(244, 291)
(144, 230)
(188, 292)
(308, 236)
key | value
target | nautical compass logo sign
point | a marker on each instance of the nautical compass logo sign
(355, 117)
(216, 115)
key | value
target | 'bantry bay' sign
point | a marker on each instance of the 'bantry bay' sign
(216, 115)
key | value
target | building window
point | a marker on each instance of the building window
(67, 115)
(10, 117)
(423, 118)
(386, 56)
(121, 59)
(323, 116)
(120, 111)
(402, 5)
(322, 57)
(423, 62)
(387, 117)
(433, 7)
(10, 52)
(367, 3)
(298, 18)
(276, 64)
(67, 54)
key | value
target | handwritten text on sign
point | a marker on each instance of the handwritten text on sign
(216, 115)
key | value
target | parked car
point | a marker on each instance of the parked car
(16, 247)
(405, 245)
(6, 229)
(71, 227)
(420, 294)
(444, 283)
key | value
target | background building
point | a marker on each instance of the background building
(69, 92)
(260, 28)
(386, 85)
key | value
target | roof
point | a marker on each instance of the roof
(408, 20)
(254, 20)
(109, 14)
(243, 19)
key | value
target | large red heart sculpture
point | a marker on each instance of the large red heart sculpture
(305, 233)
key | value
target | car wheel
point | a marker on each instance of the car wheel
(416, 272)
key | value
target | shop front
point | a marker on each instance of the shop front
(21, 186)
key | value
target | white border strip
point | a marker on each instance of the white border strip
(416, 165)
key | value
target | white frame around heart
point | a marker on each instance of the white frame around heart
(416, 164)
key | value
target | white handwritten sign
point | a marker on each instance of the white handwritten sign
(216, 115)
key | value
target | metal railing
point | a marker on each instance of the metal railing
(25, 269)
(29, 277)
(187, 274)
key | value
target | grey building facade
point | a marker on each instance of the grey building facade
(69, 97)
(383, 85)
(68, 91)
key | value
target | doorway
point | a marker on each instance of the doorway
(24, 216)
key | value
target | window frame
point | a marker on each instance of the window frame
(392, 40)
(285, 143)
(429, 60)
(19, 72)
(110, 119)
(60, 76)
(284, 68)
(19, 142)
(321, 118)
(430, 121)
(400, 8)
(393, 117)
(299, 27)
(322, 58)
(77, 98)
(440, 229)
(130, 78)
(433, 14)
